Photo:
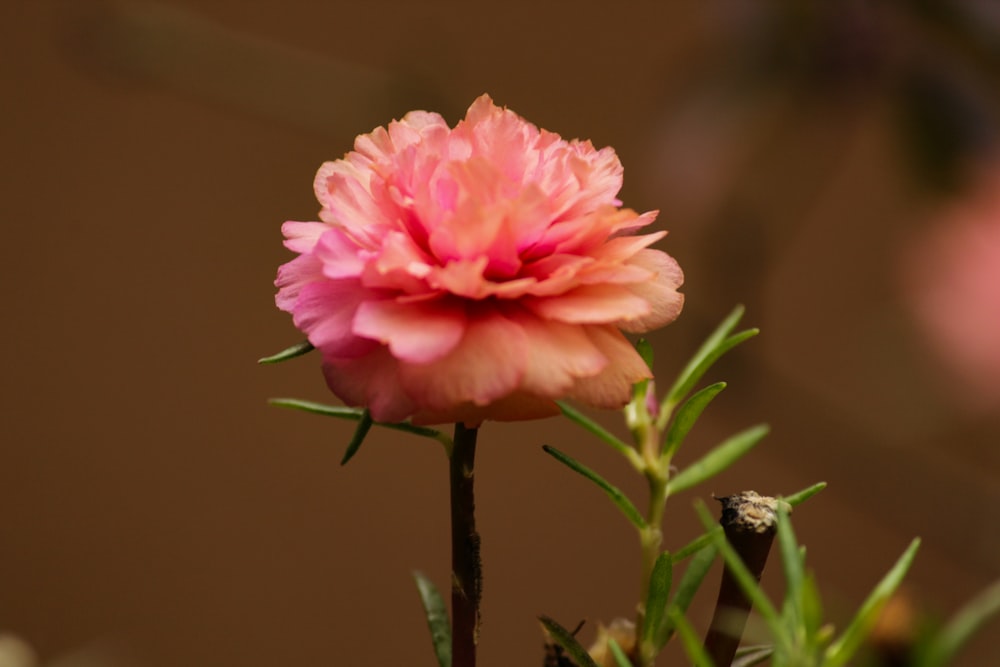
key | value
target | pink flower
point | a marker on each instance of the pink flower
(473, 273)
(952, 280)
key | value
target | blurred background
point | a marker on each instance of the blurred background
(830, 165)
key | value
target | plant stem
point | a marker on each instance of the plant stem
(466, 567)
(650, 537)
(749, 521)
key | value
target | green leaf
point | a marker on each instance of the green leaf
(945, 645)
(714, 347)
(843, 649)
(356, 414)
(717, 460)
(746, 581)
(564, 638)
(805, 494)
(598, 430)
(686, 417)
(791, 560)
(695, 545)
(616, 496)
(296, 350)
(364, 425)
(692, 644)
(437, 618)
(660, 581)
(621, 660)
(748, 656)
(645, 351)
(689, 584)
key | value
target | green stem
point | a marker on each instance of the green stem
(466, 567)
(651, 537)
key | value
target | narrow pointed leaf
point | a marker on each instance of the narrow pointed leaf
(621, 660)
(695, 545)
(355, 414)
(364, 425)
(437, 618)
(616, 496)
(689, 584)
(791, 561)
(686, 417)
(717, 460)
(752, 655)
(565, 638)
(682, 390)
(843, 649)
(805, 494)
(714, 347)
(296, 350)
(977, 611)
(645, 351)
(598, 430)
(660, 582)
(692, 644)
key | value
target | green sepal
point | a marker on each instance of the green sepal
(686, 417)
(616, 496)
(945, 644)
(565, 638)
(364, 425)
(690, 582)
(805, 494)
(645, 351)
(692, 643)
(718, 459)
(296, 350)
(717, 344)
(660, 581)
(437, 618)
(844, 647)
(621, 660)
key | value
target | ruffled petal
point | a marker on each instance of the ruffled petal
(418, 332)
(612, 388)
(292, 277)
(590, 304)
(325, 311)
(370, 381)
(559, 355)
(486, 365)
(660, 292)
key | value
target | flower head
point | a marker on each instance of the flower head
(475, 272)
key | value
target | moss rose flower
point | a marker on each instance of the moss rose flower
(473, 273)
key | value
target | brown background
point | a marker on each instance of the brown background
(153, 506)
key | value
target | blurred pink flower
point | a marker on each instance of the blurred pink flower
(952, 279)
(475, 273)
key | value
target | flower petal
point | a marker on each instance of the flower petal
(371, 381)
(591, 304)
(486, 365)
(559, 354)
(660, 292)
(301, 237)
(419, 332)
(325, 311)
(612, 388)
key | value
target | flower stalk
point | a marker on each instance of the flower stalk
(466, 566)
